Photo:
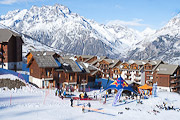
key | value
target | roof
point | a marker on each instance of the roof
(95, 61)
(89, 59)
(67, 56)
(166, 69)
(85, 56)
(92, 68)
(70, 65)
(6, 34)
(141, 63)
(145, 87)
(112, 63)
(84, 66)
(42, 53)
(103, 57)
(46, 61)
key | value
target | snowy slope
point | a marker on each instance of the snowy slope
(38, 104)
(164, 44)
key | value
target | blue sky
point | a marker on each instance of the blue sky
(137, 14)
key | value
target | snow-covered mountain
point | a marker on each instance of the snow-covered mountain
(58, 27)
(164, 44)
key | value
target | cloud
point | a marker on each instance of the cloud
(134, 22)
(8, 2)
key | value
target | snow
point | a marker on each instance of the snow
(9, 76)
(37, 104)
(73, 58)
(65, 64)
(86, 65)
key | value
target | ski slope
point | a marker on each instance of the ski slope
(37, 104)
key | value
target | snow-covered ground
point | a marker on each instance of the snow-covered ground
(37, 104)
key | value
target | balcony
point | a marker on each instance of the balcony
(149, 74)
(149, 81)
(137, 75)
(173, 81)
(83, 81)
(177, 86)
(128, 74)
(137, 80)
(173, 86)
(127, 78)
(174, 89)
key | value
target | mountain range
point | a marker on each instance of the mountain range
(59, 29)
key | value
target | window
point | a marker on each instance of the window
(31, 70)
(70, 77)
(47, 73)
(59, 75)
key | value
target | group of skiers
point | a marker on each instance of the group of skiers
(83, 95)
(83, 108)
(60, 93)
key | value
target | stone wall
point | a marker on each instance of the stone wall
(11, 83)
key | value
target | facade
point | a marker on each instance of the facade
(71, 75)
(108, 67)
(139, 71)
(41, 65)
(167, 77)
(48, 69)
(10, 50)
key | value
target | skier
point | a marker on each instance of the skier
(89, 105)
(83, 108)
(56, 92)
(62, 97)
(64, 93)
(71, 102)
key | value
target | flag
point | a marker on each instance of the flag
(118, 95)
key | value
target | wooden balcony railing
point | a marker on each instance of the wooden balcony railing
(137, 75)
(128, 74)
(137, 80)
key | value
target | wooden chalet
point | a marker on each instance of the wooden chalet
(71, 74)
(149, 69)
(10, 50)
(41, 65)
(95, 73)
(140, 71)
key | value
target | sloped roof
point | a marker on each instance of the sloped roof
(85, 56)
(113, 63)
(85, 68)
(91, 67)
(166, 69)
(6, 34)
(46, 61)
(69, 65)
(67, 56)
(94, 62)
(89, 58)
